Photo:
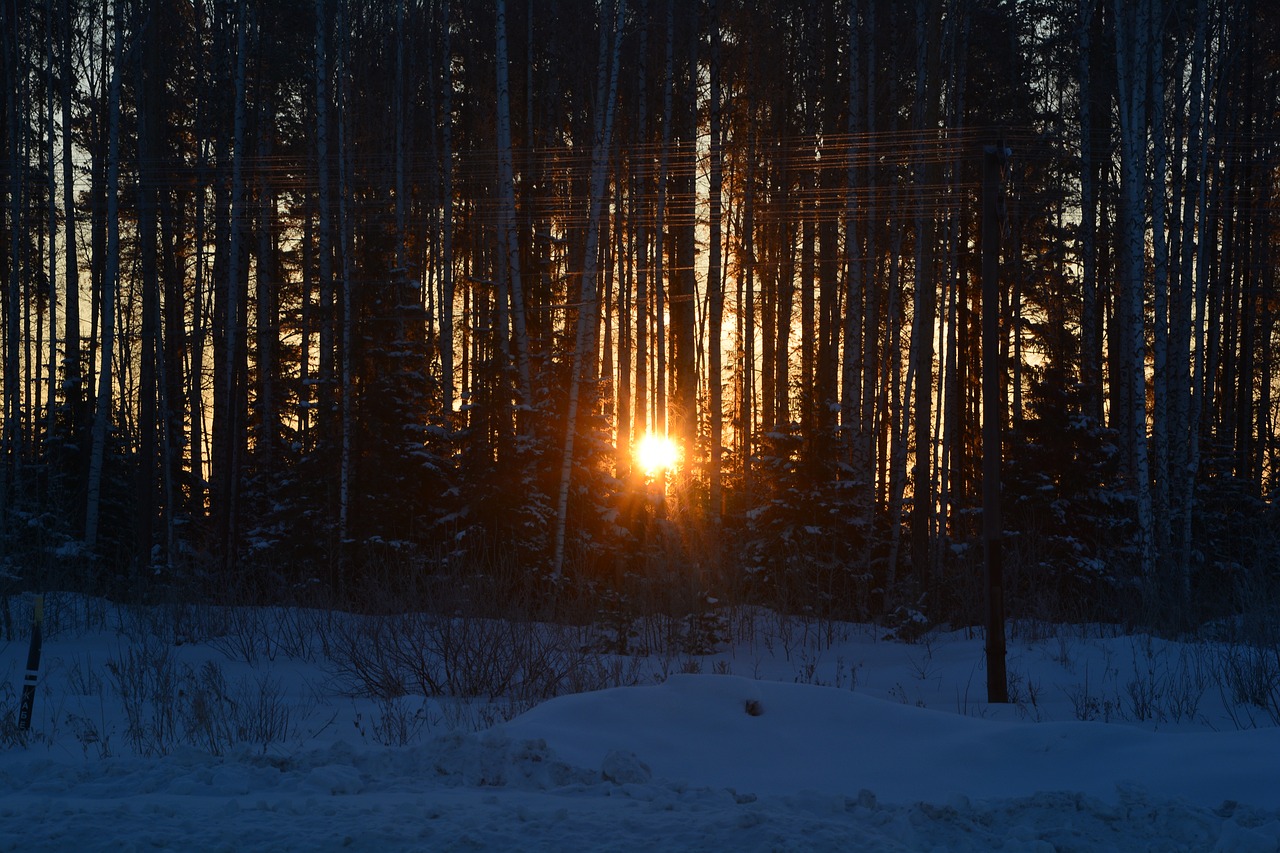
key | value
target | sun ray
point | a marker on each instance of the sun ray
(656, 453)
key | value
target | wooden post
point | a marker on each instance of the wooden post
(992, 422)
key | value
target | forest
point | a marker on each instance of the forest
(313, 299)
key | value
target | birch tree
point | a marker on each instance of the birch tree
(1132, 69)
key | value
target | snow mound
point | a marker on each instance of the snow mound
(678, 766)
(696, 763)
(694, 729)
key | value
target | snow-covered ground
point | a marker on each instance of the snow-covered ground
(203, 729)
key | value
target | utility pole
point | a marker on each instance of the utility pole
(993, 161)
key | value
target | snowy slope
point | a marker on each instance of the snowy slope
(675, 763)
(696, 729)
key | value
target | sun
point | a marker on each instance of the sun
(656, 453)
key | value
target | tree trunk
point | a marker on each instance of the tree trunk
(1160, 284)
(1132, 31)
(346, 247)
(111, 272)
(11, 442)
(52, 152)
(267, 288)
(607, 81)
(170, 380)
(228, 425)
(715, 284)
(446, 238)
(864, 460)
(747, 317)
(660, 227)
(324, 371)
(149, 118)
(924, 319)
(195, 385)
(1186, 426)
(682, 293)
(73, 369)
(851, 378)
(1090, 313)
(625, 241)
(807, 212)
(640, 195)
(510, 239)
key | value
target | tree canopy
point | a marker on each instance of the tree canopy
(300, 293)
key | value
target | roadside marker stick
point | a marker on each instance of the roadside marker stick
(33, 667)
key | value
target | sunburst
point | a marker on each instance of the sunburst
(656, 453)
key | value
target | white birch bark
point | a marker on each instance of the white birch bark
(1132, 34)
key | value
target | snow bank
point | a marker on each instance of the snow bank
(696, 729)
(697, 762)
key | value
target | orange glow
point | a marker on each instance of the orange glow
(656, 453)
